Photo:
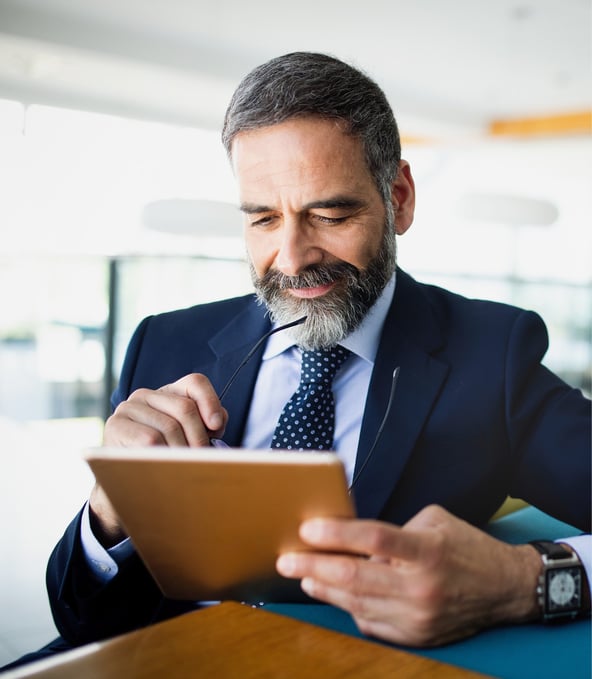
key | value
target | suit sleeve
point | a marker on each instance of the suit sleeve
(548, 425)
(83, 608)
(128, 370)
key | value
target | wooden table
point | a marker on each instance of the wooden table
(234, 640)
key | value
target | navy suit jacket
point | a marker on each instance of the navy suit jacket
(475, 418)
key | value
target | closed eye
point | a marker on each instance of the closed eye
(266, 220)
(331, 221)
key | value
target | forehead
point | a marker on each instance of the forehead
(302, 152)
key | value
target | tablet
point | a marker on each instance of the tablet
(210, 523)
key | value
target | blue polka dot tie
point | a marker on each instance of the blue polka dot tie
(307, 421)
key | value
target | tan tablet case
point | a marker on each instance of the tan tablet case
(209, 524)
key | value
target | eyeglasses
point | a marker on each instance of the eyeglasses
(387, 411)
(259, 342)
(218, 443)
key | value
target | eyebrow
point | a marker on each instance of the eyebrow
(337, 202)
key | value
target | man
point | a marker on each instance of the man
(315, 150)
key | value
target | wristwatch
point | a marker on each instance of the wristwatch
(561, 582)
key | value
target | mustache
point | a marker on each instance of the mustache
(311, 277)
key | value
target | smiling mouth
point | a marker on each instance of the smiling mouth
(316, 291)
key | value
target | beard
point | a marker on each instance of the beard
(334, 315)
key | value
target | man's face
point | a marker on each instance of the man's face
(318, 236)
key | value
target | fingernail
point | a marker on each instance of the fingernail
(285, 564)
(216, 421)
(307, 585)
(311, 530)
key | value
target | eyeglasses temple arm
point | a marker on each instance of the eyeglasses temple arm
(382, 425)
(248, 357)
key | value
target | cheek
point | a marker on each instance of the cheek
(357, 251)
(260, 253)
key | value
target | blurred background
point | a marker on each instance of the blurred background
(116, 200)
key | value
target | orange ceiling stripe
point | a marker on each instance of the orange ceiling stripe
(410, 139)
(567, 123)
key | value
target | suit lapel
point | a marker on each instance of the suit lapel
(410, 335)
(230, 347)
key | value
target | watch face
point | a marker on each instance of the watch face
(563, 588)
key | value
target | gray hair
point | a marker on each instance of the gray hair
(303, 84)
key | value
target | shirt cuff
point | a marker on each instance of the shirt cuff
(582, 545)
(103, 563)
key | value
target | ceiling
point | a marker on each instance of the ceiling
(448, 67)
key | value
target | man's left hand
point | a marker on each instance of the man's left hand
(431, 581)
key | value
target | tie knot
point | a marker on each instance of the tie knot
(322, 365)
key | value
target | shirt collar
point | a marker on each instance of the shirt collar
(363, 341)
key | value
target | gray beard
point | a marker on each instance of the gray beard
(333, 316)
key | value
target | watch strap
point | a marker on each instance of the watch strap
(552, 550)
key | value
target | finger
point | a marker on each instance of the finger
(397, 619)
(356, 575)
(379, 616)
(327, 578)
(371, 538)
(383, 601)
(177, 418)
(168, 416)
(136, 423)
(394, 629)
(199, 389)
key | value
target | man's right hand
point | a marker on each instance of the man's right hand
(185, 413)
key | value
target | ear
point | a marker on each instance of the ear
(403, 198)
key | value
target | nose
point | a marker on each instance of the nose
(297, 248)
